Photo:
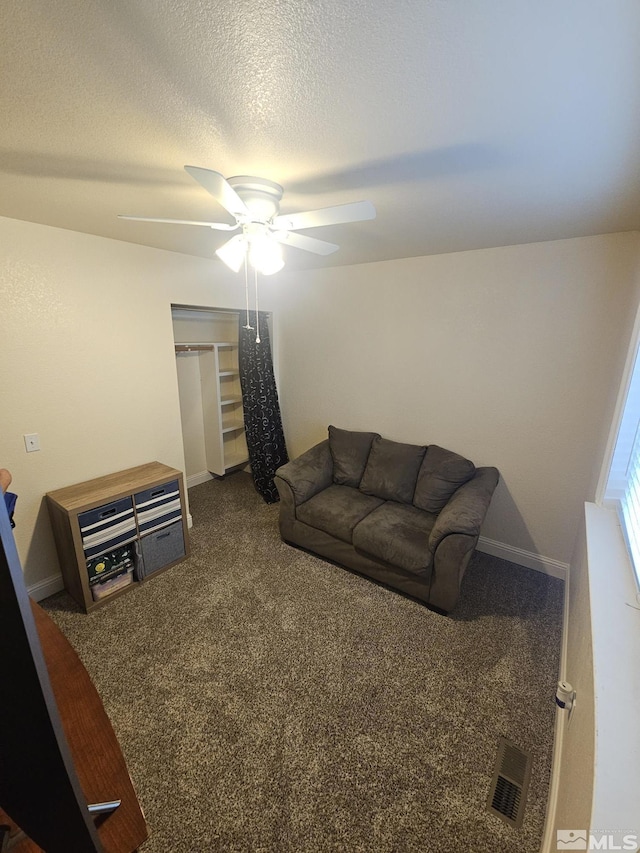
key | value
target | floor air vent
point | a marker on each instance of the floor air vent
(508, 792)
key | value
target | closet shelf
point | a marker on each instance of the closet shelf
(229, 401)
(203, 346)
(233, 427)
(231, 371)
(194, 347)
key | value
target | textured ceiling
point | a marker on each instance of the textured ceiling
(467, 124)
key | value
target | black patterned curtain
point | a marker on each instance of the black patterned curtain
(262, 421)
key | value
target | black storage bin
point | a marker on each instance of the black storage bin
(162, 547)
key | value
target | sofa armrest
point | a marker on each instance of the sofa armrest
(310, 473)
(467, 508)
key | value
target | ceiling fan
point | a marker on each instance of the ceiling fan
(255, 205)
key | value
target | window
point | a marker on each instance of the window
(623, 482)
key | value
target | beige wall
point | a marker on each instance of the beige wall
(506, 355)
(509, 356)
(88, 362)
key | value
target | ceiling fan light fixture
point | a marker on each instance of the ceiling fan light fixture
(233, 252)
(265, 255)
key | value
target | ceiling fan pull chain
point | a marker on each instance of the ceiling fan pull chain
(255, 272)
(246, 291)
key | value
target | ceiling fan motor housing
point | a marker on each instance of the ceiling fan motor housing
(260, 195)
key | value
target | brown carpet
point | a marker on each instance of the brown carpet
(269, 701)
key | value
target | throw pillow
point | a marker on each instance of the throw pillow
(441, 474)
(392, 470)
(350, 451)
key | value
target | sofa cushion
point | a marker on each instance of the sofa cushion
(392, 470)
(397, 534)
(441, 474)
(350, 451)
(336, 510)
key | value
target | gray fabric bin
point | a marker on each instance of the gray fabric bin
(162, 547)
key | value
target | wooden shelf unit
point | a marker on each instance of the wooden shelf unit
(67, 504)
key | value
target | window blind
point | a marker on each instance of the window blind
(623, 484)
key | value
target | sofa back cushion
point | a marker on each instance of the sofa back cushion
(441, 474)
(350, 451)
(392, 470)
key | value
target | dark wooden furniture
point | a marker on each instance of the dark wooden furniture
(58, 750)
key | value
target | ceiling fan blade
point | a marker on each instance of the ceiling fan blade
(218, 186)
(357, 211)
(309, 244)
(217, 226)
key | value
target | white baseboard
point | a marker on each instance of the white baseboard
(546, 565)
(189, 520)
(196, 479)
(548, 841)
(45, 588)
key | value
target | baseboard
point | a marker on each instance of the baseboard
(548, 839)
(45, 588)
(189, 520)
(546, 565)
(196, 479)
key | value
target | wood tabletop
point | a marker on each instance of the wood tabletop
(112, 486)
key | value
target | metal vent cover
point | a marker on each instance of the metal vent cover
(510, 782)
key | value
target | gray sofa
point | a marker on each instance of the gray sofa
(406, 515)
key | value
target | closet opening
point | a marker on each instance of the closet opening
(213, 435)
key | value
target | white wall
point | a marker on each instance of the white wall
(87, 361)
(509, 356)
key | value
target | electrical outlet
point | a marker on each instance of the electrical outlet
(32, 442)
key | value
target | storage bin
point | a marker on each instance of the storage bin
(106, 514)
(110, 564)
(107, 526)
(102, 590)
(166, 491)
(158, 507)
(162, 547)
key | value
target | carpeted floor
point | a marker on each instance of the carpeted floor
(266, 700)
